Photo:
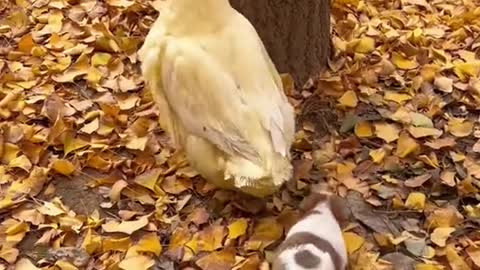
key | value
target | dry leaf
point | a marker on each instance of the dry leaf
(127, 227)
(415, 201)
(387, 132)
(237, 228)
(439, 236)
(63, 166)
(353, 241)
(218, 260)
(349, 99)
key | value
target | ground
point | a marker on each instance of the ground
(89, 180)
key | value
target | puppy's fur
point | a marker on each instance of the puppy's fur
(315, 242)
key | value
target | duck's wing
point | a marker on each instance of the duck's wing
(151, 54)
(206, 99)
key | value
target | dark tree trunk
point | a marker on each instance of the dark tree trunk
(296, 33)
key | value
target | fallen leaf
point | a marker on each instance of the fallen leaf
(148, 179)
(127, 227)
(116, 191)
(403, 63)
(218, 260)
(418, 180)
(439, 236)
(237, 228)
(363, 129)
(265, 232)
(150, 243)
(455, 261)
(415, 201)
(353, 241)
(387, 132)
(63, 166)
(406, 145)
(349, 99)
(460, 127)
(25, 264)
(444, 84)
(140, 262)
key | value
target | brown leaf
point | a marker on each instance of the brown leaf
(418, 180)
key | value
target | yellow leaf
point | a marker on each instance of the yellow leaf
(55, 21)
(51, 209)
(403, 63)
(377, 155)
(455, 261)
(10, 152)
(444, 217)
(91, 127)
(439, 236)
(429, 72)
(71, 144)
(448, 177)
(363, 129)
(25, 264)
(99, 163)
(353, 241)
(92, 242)
(65, 265)
(94, 76)
(365, 45)
(178, 241)
(119, 244)
(474, 254)
(387, 132)
(139, 262)
(148, 179)
(399, 98)
(444, 84)
(26, 43)
(21, 162)
(80, 67)
(237, 228)
(415, 201)
(9, 254)
(136, 143)
(349, 99)
(176, 185)
(127, 227)
(218, 260)
(464, 70)
(116, 190)
(211, 238)
(150, 243)
(460, 127)
(63, 166)
(266, 231)
(406, 145)
(420, 132)
(423, 266)
(101, 59)
(122, 4)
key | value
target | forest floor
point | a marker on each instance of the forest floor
(89, 181)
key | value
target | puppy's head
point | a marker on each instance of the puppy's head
(321, 193)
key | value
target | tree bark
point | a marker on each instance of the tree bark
(296, 33)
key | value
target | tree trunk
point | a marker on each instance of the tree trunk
(296, 33)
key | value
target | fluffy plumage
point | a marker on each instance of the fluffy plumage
(219, 95)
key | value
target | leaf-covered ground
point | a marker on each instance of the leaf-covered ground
(89, 181)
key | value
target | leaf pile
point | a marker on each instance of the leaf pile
(89, 181)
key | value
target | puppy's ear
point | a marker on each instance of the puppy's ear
(340, 209)
(312, 200)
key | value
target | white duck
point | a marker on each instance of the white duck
(220, 96)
